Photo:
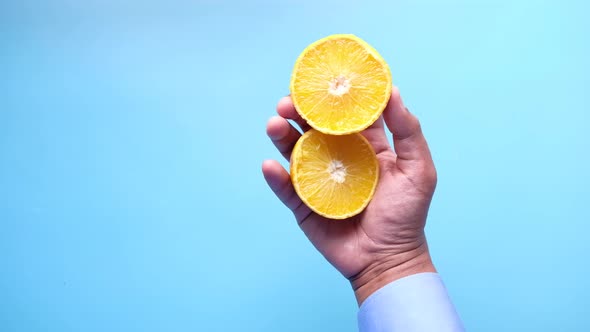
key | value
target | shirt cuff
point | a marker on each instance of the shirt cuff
(419, 302)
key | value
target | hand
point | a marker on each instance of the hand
(385, 242)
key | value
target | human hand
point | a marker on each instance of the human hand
(386, 241)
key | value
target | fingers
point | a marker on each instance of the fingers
(408, 141)
(279, 182)
(375, 134)
(282, 134)
(286, 109)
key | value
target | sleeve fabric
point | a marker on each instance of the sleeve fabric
(417, 303)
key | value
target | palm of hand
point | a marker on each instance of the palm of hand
(392, 223)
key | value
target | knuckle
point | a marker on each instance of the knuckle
(430, 177)
(416, 126)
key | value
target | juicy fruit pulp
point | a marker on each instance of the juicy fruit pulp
(340, 85)
(335, 176)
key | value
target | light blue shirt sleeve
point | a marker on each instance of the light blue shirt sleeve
(417, 303)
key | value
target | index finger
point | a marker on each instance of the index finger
(286, 109)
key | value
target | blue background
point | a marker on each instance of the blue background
(131, 137)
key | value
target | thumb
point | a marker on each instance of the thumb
(408, 141)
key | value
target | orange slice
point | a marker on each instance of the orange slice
(335, 176)
(340, 85)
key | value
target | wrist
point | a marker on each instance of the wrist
(391, 268)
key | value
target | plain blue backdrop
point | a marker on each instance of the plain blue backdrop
(132, 133)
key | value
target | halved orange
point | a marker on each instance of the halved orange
(340, 85)
(335, 176)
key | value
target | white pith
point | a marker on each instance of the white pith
(339, 86)
(337, 171)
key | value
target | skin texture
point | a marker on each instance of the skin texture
(386, 241)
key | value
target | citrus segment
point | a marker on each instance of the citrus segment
(340, 85)
(335, 176)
